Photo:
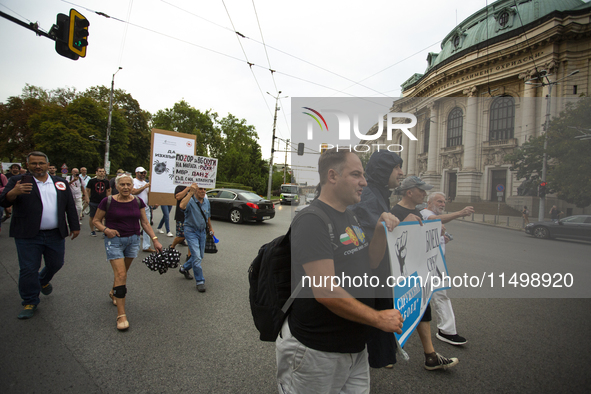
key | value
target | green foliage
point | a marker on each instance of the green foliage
(569, 161)
(16, 137)
(183, 118)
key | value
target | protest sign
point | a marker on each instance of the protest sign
(418, 266)
(191, 169)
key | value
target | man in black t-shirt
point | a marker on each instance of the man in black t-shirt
(414, 191)
(97, 189)
(328, 322)
(179, 216)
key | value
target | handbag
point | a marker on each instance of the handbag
(210, 246)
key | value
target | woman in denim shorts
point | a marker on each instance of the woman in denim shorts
(123, 214)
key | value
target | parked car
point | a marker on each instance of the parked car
(576, 226)
(310, 197)
(239, 205)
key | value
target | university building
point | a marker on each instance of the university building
(480, 97)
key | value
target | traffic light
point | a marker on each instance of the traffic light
(78, 33)
(542, 190)
(301, 149)
(61, 30)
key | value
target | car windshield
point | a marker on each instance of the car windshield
(292, 189)
(251, 197)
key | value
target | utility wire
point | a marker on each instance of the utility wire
(249, 63)
(121, 51)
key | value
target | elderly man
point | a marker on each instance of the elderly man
(330, 323)
(41, 202)
(446, 321)
(414, 191)
(140, 189)
(78, 190)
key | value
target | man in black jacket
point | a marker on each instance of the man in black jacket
(40, 204)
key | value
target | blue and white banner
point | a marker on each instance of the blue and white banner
(418, 268)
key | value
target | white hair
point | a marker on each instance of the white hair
(435, 194)
(121, 176)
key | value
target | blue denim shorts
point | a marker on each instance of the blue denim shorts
(120, 247)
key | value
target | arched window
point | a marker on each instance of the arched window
(502, 118)
(426, 135)
(455, 126)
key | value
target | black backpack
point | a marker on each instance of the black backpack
(269, 277)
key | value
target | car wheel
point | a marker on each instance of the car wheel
(235, 216)
(541, 232)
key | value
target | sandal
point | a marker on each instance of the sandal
(113, 298)
(123, 325)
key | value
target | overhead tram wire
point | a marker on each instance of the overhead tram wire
(210, 50)
(122, 49)
(247, 61)
(276, 49)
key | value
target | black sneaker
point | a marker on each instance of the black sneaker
(201, 288)
(451, 339)
(186, 273)
(47, 289)
(435, 361)
(93, 234)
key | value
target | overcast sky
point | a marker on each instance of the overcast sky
(180, 49)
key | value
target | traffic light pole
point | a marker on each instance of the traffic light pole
(542, 210)
(31, 26)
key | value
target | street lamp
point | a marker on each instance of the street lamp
(270, 183)
(550, 84)
(107, 142)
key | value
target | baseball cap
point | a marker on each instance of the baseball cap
(140, 169)
(413, 181)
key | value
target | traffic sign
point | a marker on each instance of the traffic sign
(500, 187)
(65, 171)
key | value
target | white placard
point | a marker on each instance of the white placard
(191, 169)
(165, 149)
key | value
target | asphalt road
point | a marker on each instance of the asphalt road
(184, 341)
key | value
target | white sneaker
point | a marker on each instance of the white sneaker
(161, 231)
(169, 234)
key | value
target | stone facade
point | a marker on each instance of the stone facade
(479, 99)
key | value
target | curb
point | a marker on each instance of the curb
(492, 225)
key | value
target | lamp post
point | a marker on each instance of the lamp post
(549, 84)
(107, 141)
(270, 183)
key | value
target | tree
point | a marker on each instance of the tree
(16, 136)
(567, 158)
(183, 118)
(240, 158)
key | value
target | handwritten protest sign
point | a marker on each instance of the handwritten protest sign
(418, 268)
(191, 169)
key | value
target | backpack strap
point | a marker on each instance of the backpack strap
(310, 210)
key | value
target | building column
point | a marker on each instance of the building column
(468, 187)
(431, 176)
(412, 153)
(404, 154)
(528, 112)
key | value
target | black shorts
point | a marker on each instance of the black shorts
(427, 315)
(92, 206)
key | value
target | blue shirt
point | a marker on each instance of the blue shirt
(193, 216)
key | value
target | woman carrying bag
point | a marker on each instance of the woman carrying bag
(123, 214)
(197, 224)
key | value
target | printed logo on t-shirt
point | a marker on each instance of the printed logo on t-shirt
(99, 187)
(360, 234)
(60, 186)
(349, 237)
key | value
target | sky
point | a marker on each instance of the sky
(172, 50)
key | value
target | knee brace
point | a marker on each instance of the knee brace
(119, 291)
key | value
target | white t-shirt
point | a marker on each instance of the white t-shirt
(75, 187)
(137, 184)
(48, 196)
(426, 214)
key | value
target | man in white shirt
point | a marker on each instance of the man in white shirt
(440, 302)
(46, 213)
(140, 189)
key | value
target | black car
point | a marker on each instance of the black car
(239, 205)
(576, 226)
